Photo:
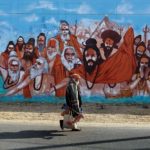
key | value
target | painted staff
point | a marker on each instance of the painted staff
(146, 30)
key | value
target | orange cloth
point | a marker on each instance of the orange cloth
(36, 52)
(4, 60)
(117, 68)
(26, 90)
(52, 43)
(71, 42)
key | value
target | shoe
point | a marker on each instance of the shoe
(76, 129)
(61, 124)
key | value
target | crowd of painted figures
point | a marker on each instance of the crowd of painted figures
(118, 67)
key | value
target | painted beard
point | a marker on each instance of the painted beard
(51, 56)
(69, 65)
(20, 46)
(34, 72)
(90, 65)
(144, 70)
(14, 75)
(107, 50)
(28, 56)
(65, 37)
(41, 47)
(139, 55)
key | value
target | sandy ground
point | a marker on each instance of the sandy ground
(93, 113)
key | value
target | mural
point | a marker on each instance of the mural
(43, 43)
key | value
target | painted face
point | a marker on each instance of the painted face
(69, 55)
(41, 40)
(29, 48)
(64, 29)
(109, 42)
(11, 48)
(37, 69)
(90, 60)
(90, 56)
(140, 49)
(51, 52)
(14, 65)
(144, 62)
(20, 41)
(39, 64)
(137, 40)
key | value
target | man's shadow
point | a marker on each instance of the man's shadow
(49, 134)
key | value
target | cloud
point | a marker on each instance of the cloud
(123, 20)
(52, 21)
(124, 8)
(2, 13)
(87, 22)
(53, 32)
(82, 9)
(120, 20)
(42, 5)
(3, 23)
(32, 18)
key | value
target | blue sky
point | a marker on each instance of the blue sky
(29, 17)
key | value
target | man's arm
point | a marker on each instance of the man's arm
(102, 53)
(134, 83)
(19, 87)
(59, 85)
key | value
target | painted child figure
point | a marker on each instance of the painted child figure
(72, 113)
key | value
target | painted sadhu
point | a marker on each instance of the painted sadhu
(5, 55)
(13, 75)
(140, 51)
(56, 71)
(65, 38)
(41, 44)
(116, 69)
(109, 46)
(140, 84)
(20, 45)
(35, 78)
(61, 67)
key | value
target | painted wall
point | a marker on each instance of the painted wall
(105, 42)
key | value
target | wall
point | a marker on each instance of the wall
(118, 77)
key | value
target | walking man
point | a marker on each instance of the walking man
(73, 101)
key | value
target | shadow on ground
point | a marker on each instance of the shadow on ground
(30, 134)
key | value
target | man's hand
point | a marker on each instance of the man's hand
(50, 91)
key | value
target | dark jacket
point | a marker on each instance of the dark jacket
(73, 98)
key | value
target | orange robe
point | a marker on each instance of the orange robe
(26, 90)
(36, 52)
(4, 60)
(71, 42)
(118, 68)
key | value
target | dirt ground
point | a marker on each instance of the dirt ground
(93, 113)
